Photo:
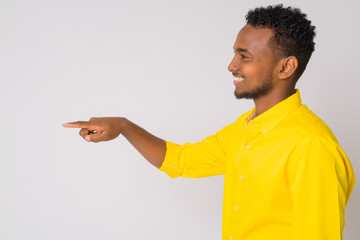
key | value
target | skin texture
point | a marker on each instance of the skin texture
(268, 80)
(254, 62)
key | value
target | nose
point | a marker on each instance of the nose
(233, 67)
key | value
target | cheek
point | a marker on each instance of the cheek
(256, 72)
(251, 72)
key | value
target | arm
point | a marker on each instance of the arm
(201, 159)
(105, 129)
(321, 180)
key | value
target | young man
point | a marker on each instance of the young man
(286, 177)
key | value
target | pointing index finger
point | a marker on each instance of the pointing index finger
(78, 124)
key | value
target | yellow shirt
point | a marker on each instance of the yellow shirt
(286, 176)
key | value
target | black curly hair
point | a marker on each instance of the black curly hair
(293, 33)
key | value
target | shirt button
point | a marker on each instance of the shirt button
(241, 177)
(248, 147)
(265, 131)
(236, 207)
(230, 237)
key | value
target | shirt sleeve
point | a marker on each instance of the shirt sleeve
(321, 180)
(202, 159)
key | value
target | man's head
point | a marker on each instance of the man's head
(293, 33)
(271, 51)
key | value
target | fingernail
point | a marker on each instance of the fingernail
(87, 138)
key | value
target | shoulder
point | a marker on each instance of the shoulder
(308, 127)
(315, 143)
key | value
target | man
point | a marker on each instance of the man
(286, 177)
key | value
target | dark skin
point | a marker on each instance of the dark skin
(254, 61)
(104, 129)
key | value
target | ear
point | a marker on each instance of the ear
(287, 67)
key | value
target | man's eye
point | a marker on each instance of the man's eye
(243, 56)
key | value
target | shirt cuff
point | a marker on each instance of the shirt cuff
(171, 164)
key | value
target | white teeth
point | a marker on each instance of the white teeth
(239, 79)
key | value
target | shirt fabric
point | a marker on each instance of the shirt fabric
(286, 176)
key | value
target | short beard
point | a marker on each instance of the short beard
(258, 92)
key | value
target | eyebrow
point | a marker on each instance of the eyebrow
(242, 50)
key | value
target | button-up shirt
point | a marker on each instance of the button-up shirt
(286, 176)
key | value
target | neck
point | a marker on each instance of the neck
(264, 103)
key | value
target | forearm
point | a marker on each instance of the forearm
(151, 147)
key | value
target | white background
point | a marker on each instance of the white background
(162, 64)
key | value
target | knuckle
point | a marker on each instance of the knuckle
(83, 133)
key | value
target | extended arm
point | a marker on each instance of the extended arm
(105, 129)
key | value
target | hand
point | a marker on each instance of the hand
(99, 129)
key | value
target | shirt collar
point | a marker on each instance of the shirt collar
(270, 118)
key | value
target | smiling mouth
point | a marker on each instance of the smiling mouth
(238, 80)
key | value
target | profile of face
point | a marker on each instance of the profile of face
(253, 63)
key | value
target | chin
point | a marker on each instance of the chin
(243, 95)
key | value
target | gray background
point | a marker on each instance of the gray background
(162, 64)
